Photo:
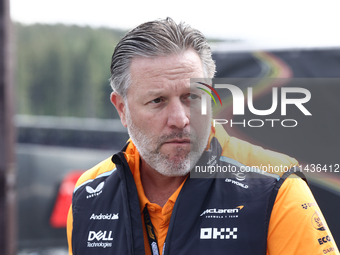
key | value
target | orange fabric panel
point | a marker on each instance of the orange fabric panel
(69, 228)
(294, 223)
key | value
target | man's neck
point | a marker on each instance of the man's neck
(158, 188)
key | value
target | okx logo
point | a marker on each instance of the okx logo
(216, 233)
(204, 99)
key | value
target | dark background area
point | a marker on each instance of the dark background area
(316, 138)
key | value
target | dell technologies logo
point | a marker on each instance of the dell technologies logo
(101, 239)
(100, 236)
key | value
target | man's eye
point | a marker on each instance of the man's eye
(156, 101)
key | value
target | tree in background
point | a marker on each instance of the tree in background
(64, 70)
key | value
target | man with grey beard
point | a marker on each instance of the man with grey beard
(150, 203)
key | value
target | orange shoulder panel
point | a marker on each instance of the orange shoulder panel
(102, 167)
(69, 228)
(297, 225)
(252, 155)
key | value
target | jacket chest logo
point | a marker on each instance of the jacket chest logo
(100, 236)
(215, 213)
(94, 192)
(218, 233)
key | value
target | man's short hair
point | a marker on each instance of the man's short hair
(157, 38)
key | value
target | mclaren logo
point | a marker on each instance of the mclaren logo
(94, 192)
(222, 213)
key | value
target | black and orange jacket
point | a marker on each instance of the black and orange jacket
(253, 213)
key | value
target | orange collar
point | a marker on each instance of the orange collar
(133, 159)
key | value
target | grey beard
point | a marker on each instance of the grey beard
(162, 162)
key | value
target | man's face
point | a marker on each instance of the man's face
(157, 114)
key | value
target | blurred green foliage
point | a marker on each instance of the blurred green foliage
(64, 70)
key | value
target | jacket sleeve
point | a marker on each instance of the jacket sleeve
(297, 225)
(69, 228)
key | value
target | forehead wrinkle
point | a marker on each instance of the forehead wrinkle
(166, 72)
(176, 63)
(177, 86)
(178, 72)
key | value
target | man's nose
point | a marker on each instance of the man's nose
(178, 114)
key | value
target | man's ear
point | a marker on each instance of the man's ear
(118, 101)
